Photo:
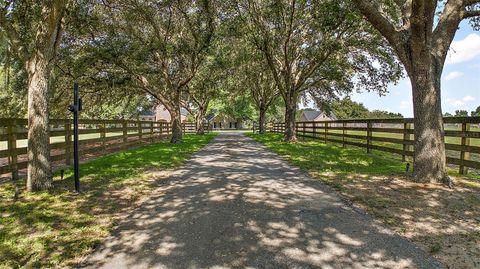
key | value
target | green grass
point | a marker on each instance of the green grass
(317, 156)
(54, 228)
(450, 140)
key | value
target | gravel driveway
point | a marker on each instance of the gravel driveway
(237, 205)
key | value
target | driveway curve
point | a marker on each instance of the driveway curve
(237, 205)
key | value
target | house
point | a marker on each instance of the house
(162, 114)
(222, 121)
(317, 115)
(146, 115)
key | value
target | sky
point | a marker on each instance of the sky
(460, 80)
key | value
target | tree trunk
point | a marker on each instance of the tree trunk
(39, 172)
(290, 114)
(261, 120)
(199, 121)
(176, 125)
(429, 156)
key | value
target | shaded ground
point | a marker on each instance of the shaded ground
(56, 228)
(236, 205)
(111, 146)
(444, 222)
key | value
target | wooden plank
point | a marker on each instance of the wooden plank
(140, 130)
(464, 155)
(151, 132)
(58, 157)
(4, 153)
(468, 134)
(125, 131)
(103, 135)
(21, 136)
(461, 120)
(5, 169)
(325, 125)
(456, 147)
(369, 136)
(22, 165)
(406, 138)
(471, 164)
(392, 150)
(12, 148)
(392, 140)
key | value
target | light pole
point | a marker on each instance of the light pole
(75, 109)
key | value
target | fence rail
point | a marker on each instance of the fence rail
(462, 136)
(95, 136)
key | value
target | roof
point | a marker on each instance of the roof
(311, 115)
(147, 113)
(314, 114)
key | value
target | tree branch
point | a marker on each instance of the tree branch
(374, 15)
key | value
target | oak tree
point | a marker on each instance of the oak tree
(34, 30)
(420, 32)
(318, 46)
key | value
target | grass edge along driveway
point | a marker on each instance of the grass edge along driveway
(444, 222)
(56, 228)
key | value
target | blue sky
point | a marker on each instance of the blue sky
(460, 80)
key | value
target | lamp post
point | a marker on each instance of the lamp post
(75, 109)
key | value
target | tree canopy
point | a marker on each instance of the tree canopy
(251, 59)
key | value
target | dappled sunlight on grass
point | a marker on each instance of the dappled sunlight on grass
(315, 155)
(54, 228)
(443, 221)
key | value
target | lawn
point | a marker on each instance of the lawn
(450, 140)
(443, 221)
(57, 228)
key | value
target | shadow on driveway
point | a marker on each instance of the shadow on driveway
(237, 205)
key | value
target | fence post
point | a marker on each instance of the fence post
(68, 142)
(140, 129)
(325, 125)
(369, 136)
(343, 133)
(303, 131)
(125, 131)
(12, 148)
(464, 155)
(314, 130)
(151, 131)
(406, 137)
(103, 135)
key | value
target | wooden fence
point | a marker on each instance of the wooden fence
(462, 136)
(95, 136)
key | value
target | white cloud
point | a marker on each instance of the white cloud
(405, 104)
(464, 50)
(460, 102)
(453, 75)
